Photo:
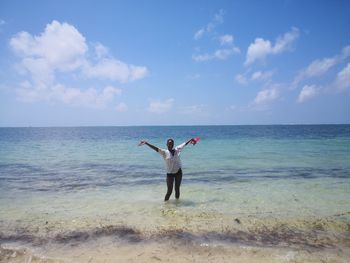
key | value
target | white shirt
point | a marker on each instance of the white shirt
(172, 162)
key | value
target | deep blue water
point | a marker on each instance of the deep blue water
(156, 132)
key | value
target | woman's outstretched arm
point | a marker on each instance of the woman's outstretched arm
(182, 145)
(142, 142)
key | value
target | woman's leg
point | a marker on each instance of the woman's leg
(178, 179)
(170, 184)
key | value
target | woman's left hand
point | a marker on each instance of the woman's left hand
(142, 142)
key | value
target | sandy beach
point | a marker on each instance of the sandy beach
(172, 252)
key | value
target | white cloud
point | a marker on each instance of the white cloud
(48, 61)
(114, 70)
(101, 51)
(342, 81)
(93, 98)
(266, 96)
(60, 46)
(261, 75)
(319, 67)
(192, 109)
(217, 19)
(344, 53)
(27, 93)
(90, 97)
(225, 53)
(284, 43)
(307, 93)
(202, 57)
(262, 48)
(121, 107)
(160, 106)
(226, 40)
(258, 50)
(255, 76)
(137, 72)
(220, 54)
(199, 34)
(38, 69)
(241, 79)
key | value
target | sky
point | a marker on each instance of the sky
(115, 63)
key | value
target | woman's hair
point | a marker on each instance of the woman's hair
(171, 140)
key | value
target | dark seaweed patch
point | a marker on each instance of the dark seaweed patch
(281, 236)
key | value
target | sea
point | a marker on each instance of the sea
(253, 193)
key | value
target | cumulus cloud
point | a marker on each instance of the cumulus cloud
(202, 57)
(260, 48)
(217, 19)
(307, 93)
(226, 40)
(266, 96)
(342, 81)
(219, 54)
(101, 51)
(320, 67)
(261, 75)
(255, 76)
(225, 53)
(94, 98)
(114, 70)
(59, 52)
(161, 106)
(60, 47)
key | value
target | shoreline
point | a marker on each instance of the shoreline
(238, 243)
(103, 250)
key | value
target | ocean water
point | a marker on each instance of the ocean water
(267, 187)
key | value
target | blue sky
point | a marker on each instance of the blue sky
(73, 63)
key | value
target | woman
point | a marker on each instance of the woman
(173, 164)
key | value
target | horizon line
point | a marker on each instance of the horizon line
(177, 125)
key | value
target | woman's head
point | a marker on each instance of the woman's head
(170, 144)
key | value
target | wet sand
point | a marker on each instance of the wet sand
(166, 252)
(120, 243)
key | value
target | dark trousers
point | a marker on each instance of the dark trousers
(170, 183)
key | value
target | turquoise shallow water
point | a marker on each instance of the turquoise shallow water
(268, 183)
